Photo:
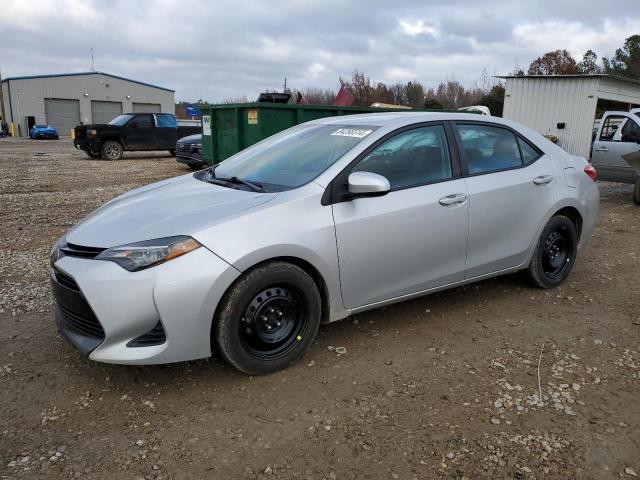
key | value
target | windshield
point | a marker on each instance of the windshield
(121, 120)
(293, 157)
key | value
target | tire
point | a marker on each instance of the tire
(636, 192)
(111, 150)
(274, 299)
(555, 254)
(172, 152)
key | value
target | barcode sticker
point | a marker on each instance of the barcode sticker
(352, 132)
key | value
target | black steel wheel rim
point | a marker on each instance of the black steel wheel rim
(557, 253)
(274, 321)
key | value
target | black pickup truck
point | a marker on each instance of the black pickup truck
(131, 131)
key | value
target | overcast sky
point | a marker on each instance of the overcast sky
(219, 49)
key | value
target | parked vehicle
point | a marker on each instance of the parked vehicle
(130, 131)
(326, 219)
(46, 132)
(189, 151)
(618, 135)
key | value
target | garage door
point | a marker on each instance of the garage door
(146, 107)
(62, 113)
(104, 112)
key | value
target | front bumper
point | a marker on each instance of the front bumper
(181, 294)
(87, 145)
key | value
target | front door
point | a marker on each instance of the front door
(512, 186)
(141, 133)
(619, 136)
(415, 237)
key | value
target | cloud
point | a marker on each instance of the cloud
(217, 50)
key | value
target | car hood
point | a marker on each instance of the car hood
(178, 206)
(197, 138)
(44, 129)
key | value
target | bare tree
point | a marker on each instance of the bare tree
(318, 96)
(558, 62)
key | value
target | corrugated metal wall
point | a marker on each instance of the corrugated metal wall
(27, 95)
(542, 103)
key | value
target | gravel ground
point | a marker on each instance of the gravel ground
(446, 386)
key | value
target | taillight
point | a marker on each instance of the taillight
(589, 170)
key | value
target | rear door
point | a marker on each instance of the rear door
(415, 237)
(619, 136)
(166, 131)
(511, 186)
(141, 133)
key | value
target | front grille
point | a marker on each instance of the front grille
(84, 325)
(155, 336)
(183, 147)
(74, 312)
(72, 250)
(66, 281)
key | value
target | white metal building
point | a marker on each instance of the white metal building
(68, 99)
(565, 105)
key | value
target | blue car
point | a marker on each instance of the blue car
(44, 131)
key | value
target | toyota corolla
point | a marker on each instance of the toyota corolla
(321, 221)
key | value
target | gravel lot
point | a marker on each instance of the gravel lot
(441, 387)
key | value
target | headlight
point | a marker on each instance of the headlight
(198, 146)
(92, 133)
(141, 255)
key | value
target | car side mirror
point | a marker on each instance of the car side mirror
(367, 184)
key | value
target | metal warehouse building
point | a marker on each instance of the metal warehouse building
(68, 99)
(567, 105)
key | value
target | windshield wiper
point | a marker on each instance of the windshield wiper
(255, 186)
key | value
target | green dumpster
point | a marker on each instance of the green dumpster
(229, 128)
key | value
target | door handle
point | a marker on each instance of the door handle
(543, 179)
(452, 199)
(600, 149)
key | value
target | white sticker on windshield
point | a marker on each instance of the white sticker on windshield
(352, 132)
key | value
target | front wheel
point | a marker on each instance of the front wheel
(111, 150)
(172, 152)
(268, 318)
(555, 253)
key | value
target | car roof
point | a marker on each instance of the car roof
(398, 119)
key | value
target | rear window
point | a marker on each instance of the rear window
(166, 121)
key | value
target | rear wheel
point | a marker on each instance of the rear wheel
(268, 318)
(636, 192)
(111, 150)
(555, 253)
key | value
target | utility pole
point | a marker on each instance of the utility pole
(93, 69)
(285, 85)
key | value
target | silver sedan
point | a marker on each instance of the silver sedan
(321, 221)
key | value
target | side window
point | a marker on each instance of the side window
(610, 127)
(630, 132)
(166, 121)
(529, 153)
(411, 158)
(488, 149)
(141, 121)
